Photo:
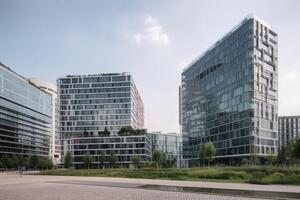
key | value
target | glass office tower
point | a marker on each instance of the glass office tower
(229, 95)
(170, 144)
(93, 109)
(25, 116)
(288, 129)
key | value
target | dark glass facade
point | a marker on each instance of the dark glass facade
(25, 116)
(170, 144)
(228, 96)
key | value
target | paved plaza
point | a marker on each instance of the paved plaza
(29, 187)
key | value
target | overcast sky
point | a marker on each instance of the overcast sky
(153, 40)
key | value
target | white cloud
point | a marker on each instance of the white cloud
(138, 37)
(150, 20)
(153, 32)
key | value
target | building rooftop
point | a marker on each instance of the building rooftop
(244, 20)
(22, 77)
(92, 75)
(289, 116)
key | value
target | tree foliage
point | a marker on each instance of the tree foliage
(87, 159)
(210, 152)
(207, 153)
(201, 155)
(297, 148)
(289, 154)
(136, 161)
(112, 159)
(128, 130)
(104, 133)
(158, 158)
(253, 157)
(28, 162)
(271, 159)
(281, 156)
(102, 159)
(68, 159)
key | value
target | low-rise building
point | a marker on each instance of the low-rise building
(288, 129)
(123, 148)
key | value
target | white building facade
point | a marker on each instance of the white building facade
(93, 110)
(55, 142)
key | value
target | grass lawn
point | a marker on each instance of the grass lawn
(255, 174)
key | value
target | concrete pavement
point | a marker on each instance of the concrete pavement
(33, 187)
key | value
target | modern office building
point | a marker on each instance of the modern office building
(170, 144)
(25, 116)
(55, 143)
(123, 148)
(288, 129)
(229, 95)
(96, 106)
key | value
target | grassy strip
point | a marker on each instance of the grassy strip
(255, 175)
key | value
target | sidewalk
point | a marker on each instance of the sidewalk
(154, 184)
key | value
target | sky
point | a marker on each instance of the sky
(153, 40)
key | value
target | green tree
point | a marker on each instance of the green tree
(102, 159)
(136, 161)
(297, 148)
(5, 161)
(244, 162)
(1, 163)
(106, 131)
(210, 152)
(158, 158)
(171, 161)
(68, 159)
(271, 159)
(201, 154)
(21, 160)
(87, 159)
(14, 161)
(34, 161)
(291, 151)
(112, 159)
(42, 163)
(49, 163)
(253, 157)
(27, 162)
(281, 156)
(147, 164)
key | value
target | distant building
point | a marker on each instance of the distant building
(288, 129)
(25, 116)
(229, 95)
(94, 109)
(55, 144)
(170, 144)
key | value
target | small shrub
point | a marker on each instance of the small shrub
(256, 177)
(278, 175)
(276, 178)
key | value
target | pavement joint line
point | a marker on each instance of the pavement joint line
(187, 189)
